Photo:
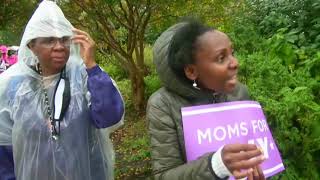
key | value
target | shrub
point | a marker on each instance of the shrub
(291, 109)
(297, 16)
(125, 89)
(152, 83)
(110, 64)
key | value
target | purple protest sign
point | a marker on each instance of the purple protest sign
(208, 127)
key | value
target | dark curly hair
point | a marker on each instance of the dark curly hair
(184, 45)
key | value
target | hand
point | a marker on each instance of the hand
(257, 174)
(87, 47)
(241, 159)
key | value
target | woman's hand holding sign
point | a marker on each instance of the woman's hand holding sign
(243, 160)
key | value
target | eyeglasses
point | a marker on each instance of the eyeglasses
(50, 42)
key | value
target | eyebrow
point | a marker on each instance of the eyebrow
(224, 49)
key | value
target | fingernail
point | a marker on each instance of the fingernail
(260, 149)
(263, 158)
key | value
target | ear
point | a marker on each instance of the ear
(31, 46)
(191, 72)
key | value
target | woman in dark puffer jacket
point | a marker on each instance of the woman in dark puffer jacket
(197, 66)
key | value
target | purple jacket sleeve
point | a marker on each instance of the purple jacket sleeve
(106, 107)
(6, 163)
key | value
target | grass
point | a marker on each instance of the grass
(131, 143)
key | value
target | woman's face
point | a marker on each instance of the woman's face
(215, 66)
(53, 53)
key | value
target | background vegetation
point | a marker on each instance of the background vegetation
(276, 42)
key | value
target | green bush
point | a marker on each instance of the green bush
(152, 83)
(110, 64)
(291, 109)
(300, 17)
(282, 74)
(125, 89)
(148, 57)
(115, 71)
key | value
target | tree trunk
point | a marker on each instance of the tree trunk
(139, 52)
(138, 86)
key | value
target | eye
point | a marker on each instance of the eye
(65, 39)
(48, 40)
(221, 59)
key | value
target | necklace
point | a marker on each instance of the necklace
(52, 126)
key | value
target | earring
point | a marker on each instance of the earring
(195, 85)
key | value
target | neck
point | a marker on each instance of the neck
(47, 71)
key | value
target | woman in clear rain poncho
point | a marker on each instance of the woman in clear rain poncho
(58, 108)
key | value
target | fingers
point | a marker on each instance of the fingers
(246, 164)
(243, 160)
(250, 176)
(260, 172)
(242, 174)
(256, 174)
(243, 155)
(82, 37)
(78, 31)
(239, 147)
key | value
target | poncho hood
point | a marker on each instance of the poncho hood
(47, 21)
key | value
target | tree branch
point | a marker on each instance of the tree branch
(124, 11)
(118, 18)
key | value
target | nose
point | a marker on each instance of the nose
(234, 64)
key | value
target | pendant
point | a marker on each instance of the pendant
(55, 137)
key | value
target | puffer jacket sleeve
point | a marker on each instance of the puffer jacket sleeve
(168, 161)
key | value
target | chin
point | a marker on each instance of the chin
(59, 67)
(230, 88)
(60, 64)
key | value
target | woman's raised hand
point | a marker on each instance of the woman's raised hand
(243, 160)
(87, 47)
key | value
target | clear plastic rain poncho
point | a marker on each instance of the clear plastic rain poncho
(82, 151)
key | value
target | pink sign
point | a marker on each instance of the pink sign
(208, 127)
